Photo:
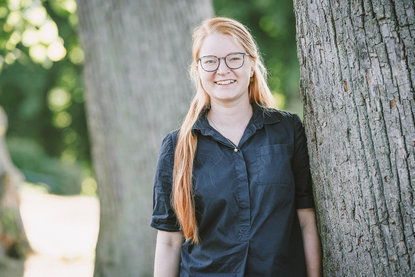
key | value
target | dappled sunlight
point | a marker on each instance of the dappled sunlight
(58, 99)
(38, 53)
(36, 30)
(30, 37)
(62, 230)
(62, 119)
(56, 50)
(279, 100)
(35, 15)
(48, 32)
(76, 55)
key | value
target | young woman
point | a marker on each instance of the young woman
(232, 192)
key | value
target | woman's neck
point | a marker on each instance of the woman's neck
(230, 119)
(230, 114)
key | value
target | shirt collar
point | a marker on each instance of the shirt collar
(260, 117)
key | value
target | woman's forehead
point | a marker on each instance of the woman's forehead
(220, 45)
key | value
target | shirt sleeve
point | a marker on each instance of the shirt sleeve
(301, 168)
(163, 217)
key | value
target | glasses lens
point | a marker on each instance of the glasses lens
(209, 63)
(235, 60)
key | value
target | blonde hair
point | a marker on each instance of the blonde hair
(259, 93)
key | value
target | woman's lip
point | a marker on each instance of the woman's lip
(225, 82)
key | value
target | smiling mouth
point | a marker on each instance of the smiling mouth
(226, 82)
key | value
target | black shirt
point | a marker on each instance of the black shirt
(245, 201)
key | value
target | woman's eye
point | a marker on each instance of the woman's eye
(210, 61)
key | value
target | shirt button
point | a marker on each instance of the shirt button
(235, 150)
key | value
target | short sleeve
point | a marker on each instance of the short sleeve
(163, 217)
(301, 168)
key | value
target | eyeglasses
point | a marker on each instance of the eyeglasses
(232, 60)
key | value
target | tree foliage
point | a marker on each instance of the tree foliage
(41, 91)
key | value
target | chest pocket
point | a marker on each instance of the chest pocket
(274, 163)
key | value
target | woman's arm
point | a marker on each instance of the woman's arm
(311, 241)
(167, 259)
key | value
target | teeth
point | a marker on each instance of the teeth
(227, 82)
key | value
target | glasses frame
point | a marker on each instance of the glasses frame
(223, 58)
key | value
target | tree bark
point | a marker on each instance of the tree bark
(137, 89)
(13, 240)
(357, 61)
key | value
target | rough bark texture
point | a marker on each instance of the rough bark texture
(357, 62)
(13, 240)
(137, 89)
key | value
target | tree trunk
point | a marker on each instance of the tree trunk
(357, 62)
(13, 240)
(137, 89)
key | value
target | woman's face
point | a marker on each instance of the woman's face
(224, 85)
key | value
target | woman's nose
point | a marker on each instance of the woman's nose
(223, 68)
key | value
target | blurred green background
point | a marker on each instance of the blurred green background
(41, 86)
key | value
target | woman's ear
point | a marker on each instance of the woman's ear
(252, 68)
(197, 70)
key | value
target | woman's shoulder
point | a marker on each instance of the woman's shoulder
(168, 144)
(280, 115)
(172, 136)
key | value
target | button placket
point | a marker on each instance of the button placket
(243, 195)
